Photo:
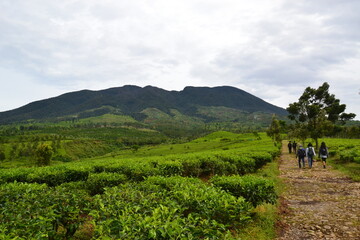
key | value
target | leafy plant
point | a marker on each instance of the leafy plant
(255, 190)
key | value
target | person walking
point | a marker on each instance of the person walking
(310, 154)
(301, 156)
(294, 146)
(323, 153)
(289, 146)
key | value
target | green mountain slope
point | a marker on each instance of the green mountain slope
(133, 100)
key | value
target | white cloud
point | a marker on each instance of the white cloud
(273, 49)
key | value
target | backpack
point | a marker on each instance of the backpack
(301, 152)
(323, 151)
(310, 152)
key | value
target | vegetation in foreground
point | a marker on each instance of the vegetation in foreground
(205, 189)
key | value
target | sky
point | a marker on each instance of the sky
(271, 49)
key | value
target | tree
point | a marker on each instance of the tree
(274, 130)
(317, 111)
(43, 154)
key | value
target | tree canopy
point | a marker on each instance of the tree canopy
(274, 130)
(317, 111)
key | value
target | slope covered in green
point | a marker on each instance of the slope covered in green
(132, 100)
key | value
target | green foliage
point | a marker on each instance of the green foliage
(96, 182)
(352, 155)
(274, 130)
(149, 194)
(345, 155)
(317, 111)
(167, 208)
(52, 176)
(85, 148)
(62, 158)
(33, 211)
(170, 168)
(255, 190)
(2, 155)
(43, 154)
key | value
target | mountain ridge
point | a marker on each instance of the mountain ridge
(131, 99)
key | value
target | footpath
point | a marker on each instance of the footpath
(317, 203)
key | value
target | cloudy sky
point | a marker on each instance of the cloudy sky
(272, 49)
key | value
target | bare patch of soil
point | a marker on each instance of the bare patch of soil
(318, 203)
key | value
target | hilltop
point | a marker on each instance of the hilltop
(196, 104)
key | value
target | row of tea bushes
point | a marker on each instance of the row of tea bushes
(52, 176)
(35, 211)
(156, 208)
(255, 190)
(344, 150)
(189, 165)
(168, 208)
(138, 197)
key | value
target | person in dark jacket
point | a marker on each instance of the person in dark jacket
(289, 146)
(323, 153)
(300, 154)
(294, 145)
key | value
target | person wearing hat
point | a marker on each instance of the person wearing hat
(301, 156)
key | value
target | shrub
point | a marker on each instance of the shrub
(54, 176)
(348, 155)
(261, 158)
(243, 164)
(62, 158)
(168, 208)
(255, 190)
(191, 166)
(43, 154)
(34, 211)
(170, 168)
(96, 183)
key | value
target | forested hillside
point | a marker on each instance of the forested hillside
(133, 100)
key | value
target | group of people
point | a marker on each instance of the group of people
(309, 153)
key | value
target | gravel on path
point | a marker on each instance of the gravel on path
(317, 203)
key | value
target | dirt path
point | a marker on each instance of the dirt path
(317, 203)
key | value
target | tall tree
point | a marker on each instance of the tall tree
(318, 111)
(274, 130)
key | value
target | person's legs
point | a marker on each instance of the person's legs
(310, 162)
(303, 162)
(324, 162)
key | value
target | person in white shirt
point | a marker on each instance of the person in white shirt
(310, 154)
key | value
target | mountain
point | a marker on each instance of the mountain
(133, 100)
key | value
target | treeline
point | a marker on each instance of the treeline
(347, 132)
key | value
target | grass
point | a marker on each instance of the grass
(263, 224)
(352, 170)
(109, 118)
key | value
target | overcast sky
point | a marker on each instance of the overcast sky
(271, 49)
